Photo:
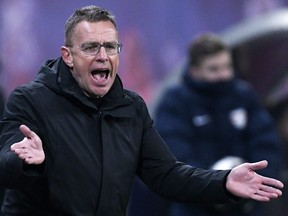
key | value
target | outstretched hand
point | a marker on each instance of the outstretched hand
(30, 148)
(244, 182)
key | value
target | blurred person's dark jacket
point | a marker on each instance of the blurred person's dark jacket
(203, 122)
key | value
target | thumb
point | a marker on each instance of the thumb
(29, 134)
(26, 131)
(258, 165)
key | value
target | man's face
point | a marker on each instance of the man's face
(95, 74)
(214, 68)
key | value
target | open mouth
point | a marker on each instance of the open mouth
(100, 74)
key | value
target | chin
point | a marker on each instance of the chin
(99, 94)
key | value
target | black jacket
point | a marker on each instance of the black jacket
(204, 122)
(55, 108)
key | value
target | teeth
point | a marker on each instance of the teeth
(103, 74)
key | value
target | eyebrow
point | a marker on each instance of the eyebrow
(96, 43)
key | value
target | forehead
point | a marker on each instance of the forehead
(218, 58)
(96, 31)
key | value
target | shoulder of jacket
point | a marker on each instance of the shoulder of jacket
(243, 85)
(28, 87)
(133, 95)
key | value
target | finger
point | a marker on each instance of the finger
(24, 153)
(271, 193)
(270, 189)
(20, 145)
(26, 131)
(258, 165)
(29, 134)
(20, 151)
(272, 182)
(26, 156)
(14, 147)
(30, 160)
(23, 156)
(260, 198)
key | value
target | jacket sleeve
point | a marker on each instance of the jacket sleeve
(174, 180)
(13, 171)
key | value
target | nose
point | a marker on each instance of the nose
(225, 74)
(102, 55)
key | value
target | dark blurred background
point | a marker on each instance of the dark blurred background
(154, 34)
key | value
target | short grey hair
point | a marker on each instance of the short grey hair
(90, 14)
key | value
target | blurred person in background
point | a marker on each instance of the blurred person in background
(213, 120)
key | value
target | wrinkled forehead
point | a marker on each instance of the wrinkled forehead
(96, 31)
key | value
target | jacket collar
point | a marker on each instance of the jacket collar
(216, 89)
(56, 75)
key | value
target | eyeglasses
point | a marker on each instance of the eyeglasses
(92, 49)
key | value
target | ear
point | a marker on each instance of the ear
(67, 56)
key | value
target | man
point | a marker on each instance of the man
(211, 119)
(83, 138)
